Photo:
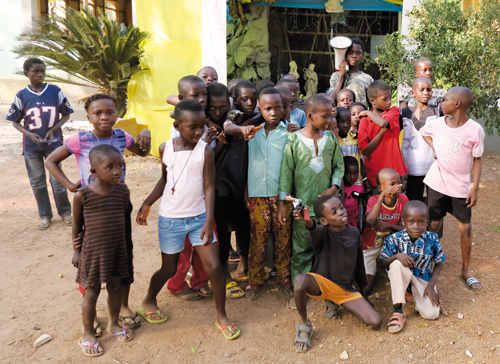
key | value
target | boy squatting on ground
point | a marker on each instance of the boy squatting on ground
(383, 217)
(338, 262)
(40, 105)
(459, 144)
(312, 166)
(187, 193)
(409, 255)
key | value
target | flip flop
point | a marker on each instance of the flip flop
(68, 220)
(252, 287)
(188, 295)
(124, 333)
(97, 335)
(396, 323)
(470, 281)
(135, 325)
(243, 279)
(209, 291)
(90, 344)
(44, 224)
(145, 315)
(230, 328)
(286, 285)
(234, 291)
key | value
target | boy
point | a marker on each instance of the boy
(265, 153)
(208, 75)
(345, 98)
(409, 255)
(459, 144)
(297, 116)
(349, 76)
(187, 209)
(338, 263)
(378, 133)
(422, 68)
(299, 103)
(383, 214)
(286, 99)
(312, 166)
(40, 105)
(417, 154)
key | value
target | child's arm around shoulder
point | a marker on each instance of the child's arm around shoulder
(141, 146)
(209, 189)
(77, 228)
(157, 192)
(53, 165)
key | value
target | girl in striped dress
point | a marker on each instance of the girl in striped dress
(102, 258)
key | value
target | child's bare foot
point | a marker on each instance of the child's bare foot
(240, 274)
(120, 332)
(97, 328)
(228, 328)
(129, 318)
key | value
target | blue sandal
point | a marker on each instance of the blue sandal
(307, 329)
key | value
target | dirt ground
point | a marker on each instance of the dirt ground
(38, 294)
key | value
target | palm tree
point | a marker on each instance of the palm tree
(96, 51)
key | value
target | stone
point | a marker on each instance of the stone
(344, 355)
(42, 340)
(227, 354)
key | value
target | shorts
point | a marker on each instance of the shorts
(332, 291)
(370, 257)
(440, 204)
(172, 232)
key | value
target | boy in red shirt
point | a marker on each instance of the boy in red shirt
(383, 217)
(378, 133)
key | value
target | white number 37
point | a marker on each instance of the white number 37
(36, 119)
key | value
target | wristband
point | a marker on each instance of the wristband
(364, 179)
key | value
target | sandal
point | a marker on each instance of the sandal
(208, 291)
(97, 327)
(286, 286)
(234, 335)
(188, 295)
(396, 323)
(332, 310)
(44, 224)
(252, 288)
(128, 335)
(136, 324)
(470, 281)
(233, 257)
(68, 220)
(145, 315)
(90, 345)
(300, 329)
(234, 291)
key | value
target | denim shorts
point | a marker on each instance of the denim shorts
(172, 232)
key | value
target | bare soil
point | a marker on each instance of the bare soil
(38, 294)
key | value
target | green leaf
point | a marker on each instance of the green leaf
(193, 349)
(422, 326)
(12, 342)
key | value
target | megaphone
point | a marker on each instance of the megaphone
(340, 45)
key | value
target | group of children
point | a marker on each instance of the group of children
(322, 181)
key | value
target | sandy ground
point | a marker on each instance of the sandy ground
(38, 295)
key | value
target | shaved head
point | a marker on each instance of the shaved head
(386, 173)
(186, 83)
(414, 208)
(284, 90)
(419, 80)
(419, 61)
(463, 94)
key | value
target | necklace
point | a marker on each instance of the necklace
(99, 140)
(182, 170)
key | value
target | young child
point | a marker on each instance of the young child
(383, 215)
(312, 166)
(378, 133)
(352, 190)
(208, 75)
(409, 255)
(418, 155)
(459, 144)
(102, 258)
(345, 98)
(265, 154)
(41, 136)
(338, 262)
(422, 68)
(355, 109)
(297, 116)
(262, 84)
(102, 114)
(286, 100)
(349, 76)
(299, 103)
(230, 87)
(187, 194)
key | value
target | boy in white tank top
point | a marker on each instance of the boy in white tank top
(186, 210)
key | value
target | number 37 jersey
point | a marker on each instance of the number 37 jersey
(40, 112)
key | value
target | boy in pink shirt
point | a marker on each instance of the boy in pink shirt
(459, 144)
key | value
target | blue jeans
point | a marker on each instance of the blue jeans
(35, 165)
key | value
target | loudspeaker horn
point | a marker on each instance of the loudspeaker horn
(340, 45)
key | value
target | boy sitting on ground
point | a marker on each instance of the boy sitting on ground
(338, 262)
(409, 254)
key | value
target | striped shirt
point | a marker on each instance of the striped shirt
(265, 154)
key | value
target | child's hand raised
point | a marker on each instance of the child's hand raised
(392, 192)
(222, 137)
(249, 131)
(142, 215)
(208, 233)
(363, 113)
(298, 214)
(211, 134)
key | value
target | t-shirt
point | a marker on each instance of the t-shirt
(426, 250)
(351, 202)
(356, 81)
(338, 256)
(40, 112)
(387, 153)
(455, 150)
(404, 93)
(298, 117)
(375, 239)
(417, 154)
(81, 143)
(350, 147)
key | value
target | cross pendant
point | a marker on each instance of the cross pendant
(173, 190)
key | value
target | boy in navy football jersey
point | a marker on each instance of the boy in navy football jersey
(40, 105)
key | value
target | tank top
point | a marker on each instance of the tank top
(185, 171)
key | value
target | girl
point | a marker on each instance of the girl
(355, 109)
(101, 112)
(102, 257)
